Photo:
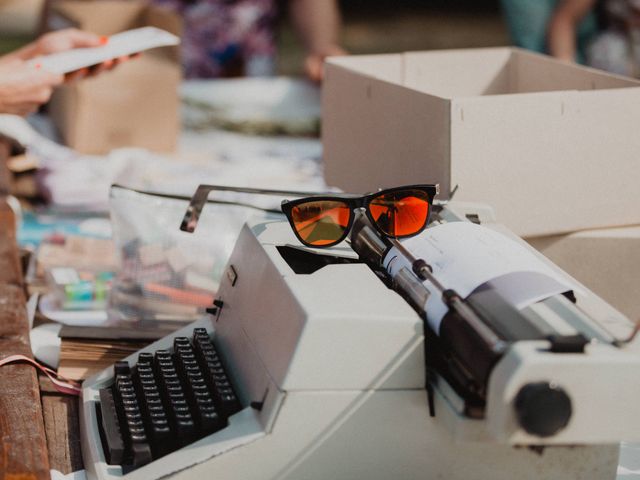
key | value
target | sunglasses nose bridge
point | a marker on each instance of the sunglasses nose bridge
(360, 211)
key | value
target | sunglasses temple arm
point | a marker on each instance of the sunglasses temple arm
(445, 201)
(192, 215)
(261, 191)
(199, 199)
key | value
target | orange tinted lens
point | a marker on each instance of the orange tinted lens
(320, 223)
(402, 213)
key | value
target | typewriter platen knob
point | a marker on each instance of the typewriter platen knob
(543, 409)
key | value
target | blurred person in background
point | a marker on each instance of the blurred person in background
(616, 48)
(600, 33)
(24, 87)
(528, 22)
(226, 38)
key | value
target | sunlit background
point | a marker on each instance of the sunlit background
(369, 26)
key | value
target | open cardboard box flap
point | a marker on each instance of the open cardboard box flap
(451, 74)
(550, 145)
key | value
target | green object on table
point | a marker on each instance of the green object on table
(101, 291)
(79, 292)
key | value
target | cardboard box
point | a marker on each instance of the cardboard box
(607, 261)
(136, 104)
(553, 147)
(20, 17)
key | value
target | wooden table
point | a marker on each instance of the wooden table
(29, 420)
(23, 449)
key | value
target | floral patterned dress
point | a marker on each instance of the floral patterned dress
(224, 38)
(617, 48)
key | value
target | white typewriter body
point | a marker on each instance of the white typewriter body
(330, 368)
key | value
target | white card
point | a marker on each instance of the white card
(65, 275)
(119, 45)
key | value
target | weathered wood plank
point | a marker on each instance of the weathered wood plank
(63, 432)
(62, 425)
(5, 150)
(23, 450)
(10, 270)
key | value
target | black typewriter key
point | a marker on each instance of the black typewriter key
(153, 413)
(121, 368)
(210, 421)
(173, 384)
(184, 424)
(216, 370)
(167, 400)
(114, 448)
(214, 374)
(141, 454)
(205, 410)
(156, 409)
(165, 364)
(178, 412)
(145, 358)
(181, 342)
(162, 356)
(137, 450)
(198, 395)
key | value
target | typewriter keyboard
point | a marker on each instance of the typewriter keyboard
(166, 401)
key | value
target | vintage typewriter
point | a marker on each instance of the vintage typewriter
(319, 365)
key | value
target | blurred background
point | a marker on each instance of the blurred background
(383, 26)
(370, 26)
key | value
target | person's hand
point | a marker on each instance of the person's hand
(24, 88)
(98, 69)
(314, 63)
(63, 40)
(69, 39)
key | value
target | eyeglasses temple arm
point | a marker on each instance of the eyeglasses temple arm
(192, 215)
(445, 200)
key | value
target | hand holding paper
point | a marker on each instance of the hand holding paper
(28, 75)
(117, 47)
(23, 85)
(64, 40)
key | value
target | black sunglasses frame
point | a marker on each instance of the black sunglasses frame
(356, 202)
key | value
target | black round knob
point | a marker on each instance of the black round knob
(543, 409)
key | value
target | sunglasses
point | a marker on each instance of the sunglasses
(325, 220)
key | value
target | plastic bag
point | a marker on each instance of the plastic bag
(165, 273)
